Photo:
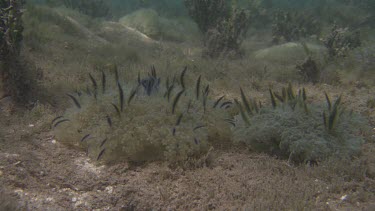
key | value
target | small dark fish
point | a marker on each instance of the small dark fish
(176, 100)
(182, 77)
(273, 100)
(100, 154)
(246, 102)
(103, 142)
(204, 103)
(167, 83)
(139, 78)
(117, 109)
(116, 73)
(198, 127)
(85, 137)
(121, 96)
(304, 96)
(189, 106)
(109, 121)
(95, 85)
(280, 98)
(169, 91)
(61, 121)
(132, 95)
(179, 119)
(218, 101)
(174, 131)
(230, 121)
(196, 141)
(197, 88)
(206, 90)
(104, 81)
(74, 100)
(226, 103)
(59, 117)
(79, 93)
(153, 71)
(88, 92)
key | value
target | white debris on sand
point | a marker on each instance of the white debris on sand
(85, 164)
(109, 189)
(344, 197)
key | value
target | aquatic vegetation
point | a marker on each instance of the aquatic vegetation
(223, 27)
(158, 27)
(13, 73)
(309, 70)
(292, 26)
(207, 13)
(225, 39)
(341, 40)
(293, 129)
(93, 8)
(148, 122)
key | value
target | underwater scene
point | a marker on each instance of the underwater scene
(187, 105)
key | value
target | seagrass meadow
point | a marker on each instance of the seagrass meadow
(187, 105)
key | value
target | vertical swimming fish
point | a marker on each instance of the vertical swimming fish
(74, 100)
(179, 119)
(182, 77)
(109, 121)
(95, 85)
(103, 82)
(121, 96)
(197, 88)
(100, 154)
(132, 95)
(103, 142)
(176, 100)
(85, 137)
(117, 109)
(218, 101)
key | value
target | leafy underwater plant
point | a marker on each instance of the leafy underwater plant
(223, 25)
(145, 123)
(15, 78)
(293, 129)
(292, 26)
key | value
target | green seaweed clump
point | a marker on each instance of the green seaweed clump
(341, 40)
(207, 13)
(148, 122)
(292, 26)
(301, 132)
(93, 8)
(226, 38)
(15, 80)
(223, 26)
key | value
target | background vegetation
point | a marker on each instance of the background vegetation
(146, 83)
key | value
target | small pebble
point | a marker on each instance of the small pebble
(1, 173)
(74, 199)
(49, 199)
(31, 125)
(109, 189)
(53, 141)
